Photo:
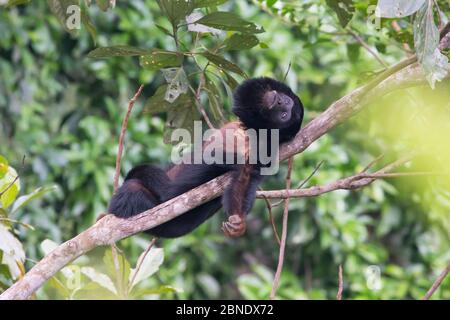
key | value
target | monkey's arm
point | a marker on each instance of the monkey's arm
(238, 199)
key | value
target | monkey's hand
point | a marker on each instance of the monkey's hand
(235, 226)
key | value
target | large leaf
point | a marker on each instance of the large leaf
(148, 264)
(215, 104)
(193, 26)
(398, 8)
(3, 166)
(161, 59)
(8, 189)
(426, 42)
(344, 10)
(99, 278)
(181, 114)
(13, 253)
(122, 272)
(157, 103)
(139, 293)
(223, 63)
(229, 21)
(241, 42)
(208, 3)
(118, 51)
(89, 25)
(176, 10)
(24, 200)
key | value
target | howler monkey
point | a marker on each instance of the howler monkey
(260, 103)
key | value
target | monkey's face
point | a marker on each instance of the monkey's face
(264, 103)
(279, 107)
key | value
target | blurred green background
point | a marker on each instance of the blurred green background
(63, 111)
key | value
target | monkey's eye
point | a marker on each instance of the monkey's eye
(284, 115)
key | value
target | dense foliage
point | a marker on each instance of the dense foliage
(63, 96)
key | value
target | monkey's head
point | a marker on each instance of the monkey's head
(265, 103)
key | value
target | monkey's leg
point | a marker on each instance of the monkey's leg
(238, 199)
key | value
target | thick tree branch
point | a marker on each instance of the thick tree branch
(111, 229)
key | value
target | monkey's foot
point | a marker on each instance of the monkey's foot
(234, 227)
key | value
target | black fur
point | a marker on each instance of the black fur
(146, 186)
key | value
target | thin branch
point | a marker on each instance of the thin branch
(445, 37)
(372, 163)
(341, 284)
(111, 229)
(199, 105)
(367, 47)
(350, 183)
(287, 71)
(437, 283)
(304, 182)
(276, 280)
(122, 136)
(272, 220)
(140, 262)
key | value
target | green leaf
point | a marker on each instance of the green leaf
(54, 283)
(94, 291)
(208, 3)
(149, 263)
(24, 200)
(353, 51)
(3, 166)
(215, 104)
(121, 275)
(87, 22)
(13, 253)
(12, 3)
(100, 278)
(426, 43)
(231, 82)
(241, 42)
(157, 103)
(139, 293)
(229, 21)
(4, 270)
(164, 30)
(7, 198)
(161, 59)
(176, 10)
(180, 114)
(344, 10)
(118, 51)
(223, 63)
